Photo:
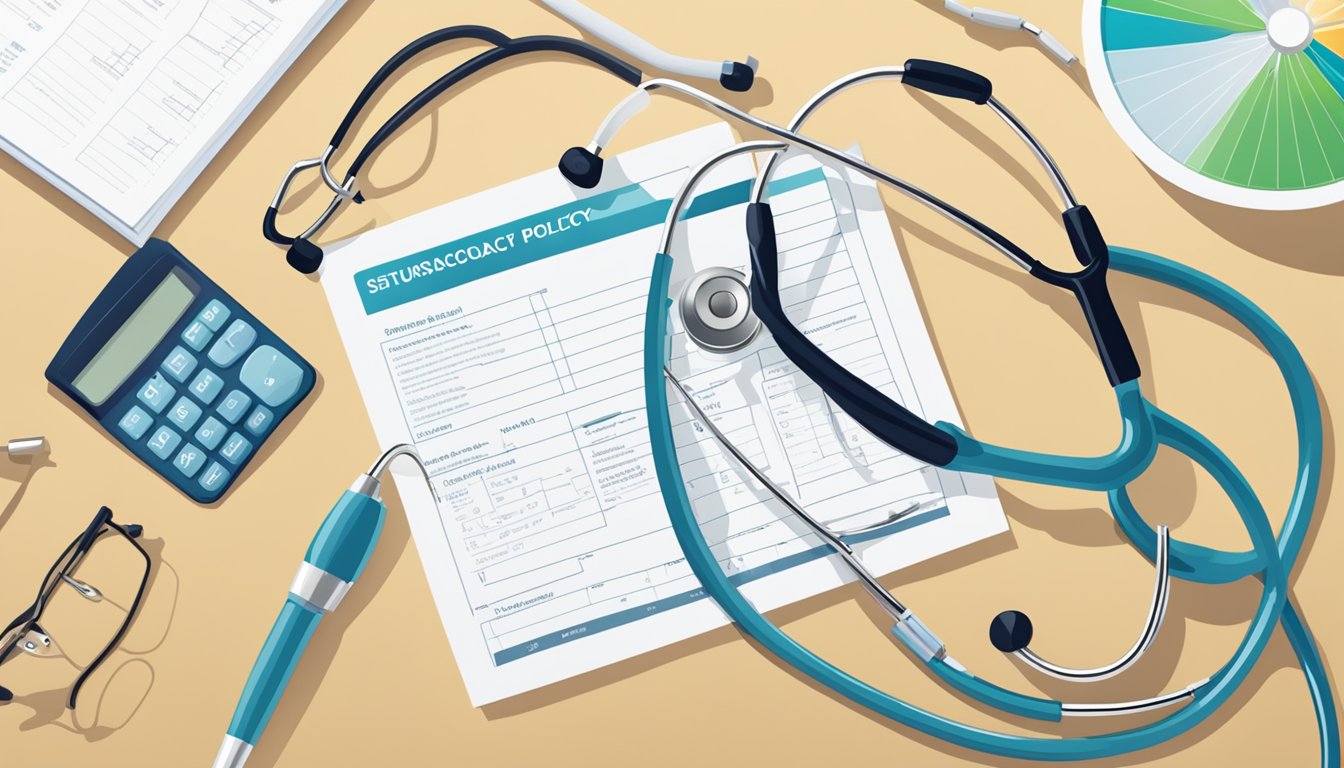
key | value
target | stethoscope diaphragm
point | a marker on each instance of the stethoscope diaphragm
(715, 308)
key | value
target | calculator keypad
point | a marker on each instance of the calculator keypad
(233, 343)
(207, 421)
(235, 449)
(233, 406)
(197, 335)
(179, 364)
(214, 315)
(260, 420)
(184, 414)
(136, 422)
(156, 393)
(207, 385)
(272, 376)
(211, 433)
(215, 477)
(163, 442)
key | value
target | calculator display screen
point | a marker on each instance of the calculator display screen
(135, 339)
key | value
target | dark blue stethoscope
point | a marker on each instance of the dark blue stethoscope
(1145, 427)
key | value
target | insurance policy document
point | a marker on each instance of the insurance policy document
(501, 334)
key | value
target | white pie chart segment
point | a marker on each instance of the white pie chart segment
(1177, 94)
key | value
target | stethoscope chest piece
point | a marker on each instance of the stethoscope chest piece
(715, 309)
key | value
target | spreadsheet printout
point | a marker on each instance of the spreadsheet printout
(502, 335)
(121, 103)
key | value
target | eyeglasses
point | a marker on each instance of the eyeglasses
(25, 633)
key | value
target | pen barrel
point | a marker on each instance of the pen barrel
(275, 664)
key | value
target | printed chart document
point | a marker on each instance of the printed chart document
(121, 103)
(501, 334)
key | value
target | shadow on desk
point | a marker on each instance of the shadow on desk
(117, 690)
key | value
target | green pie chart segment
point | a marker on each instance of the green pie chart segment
(1247, 93)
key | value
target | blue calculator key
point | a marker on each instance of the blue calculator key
(214, 315)
(259, 420)
(179, 364)
(184, 414)
(136, 422)
(189, 460)
(235, 449)
(272, 376)
(211, 432)
(156, 393)
(214, 478)
(233, 343)
(163, 442)
(207, 386)
(234, 405)
(197, 335)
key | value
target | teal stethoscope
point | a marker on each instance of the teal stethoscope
(1145, 427)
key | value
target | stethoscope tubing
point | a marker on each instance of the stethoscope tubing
(706, 568)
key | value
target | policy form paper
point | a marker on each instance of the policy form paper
(501, 334)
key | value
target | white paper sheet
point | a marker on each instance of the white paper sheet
(122, 103)
(502, 335)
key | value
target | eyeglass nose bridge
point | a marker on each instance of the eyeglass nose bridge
(340, 193)
(37, 643)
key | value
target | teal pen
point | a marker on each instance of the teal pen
(335, 559)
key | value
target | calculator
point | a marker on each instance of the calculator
(175, 369)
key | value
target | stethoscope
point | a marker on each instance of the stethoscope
(723, 301)
(1145, 427)
(306, 257)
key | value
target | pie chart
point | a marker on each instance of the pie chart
(1238, 101)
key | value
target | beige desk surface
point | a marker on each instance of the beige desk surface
(378, 685)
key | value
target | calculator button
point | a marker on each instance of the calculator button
(214, 478)
(163, 442)
(207, 385)
(189, 460)
(234, 405)
(197, 335)
(180, 364)
(211, 432)
(235, 449)
(214, 315)
(233, 343)
(136, 422)
(259, 420)
(156, 393)
(272, 376)
(184, 414)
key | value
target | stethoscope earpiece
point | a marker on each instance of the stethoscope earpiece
(304, 256)
(1010, 631)
(581, 167)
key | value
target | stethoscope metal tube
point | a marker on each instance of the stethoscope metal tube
(1157, 611)
(884, 598)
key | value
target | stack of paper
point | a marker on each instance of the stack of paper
(121, 103)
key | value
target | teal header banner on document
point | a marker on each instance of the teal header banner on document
(538, 236)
